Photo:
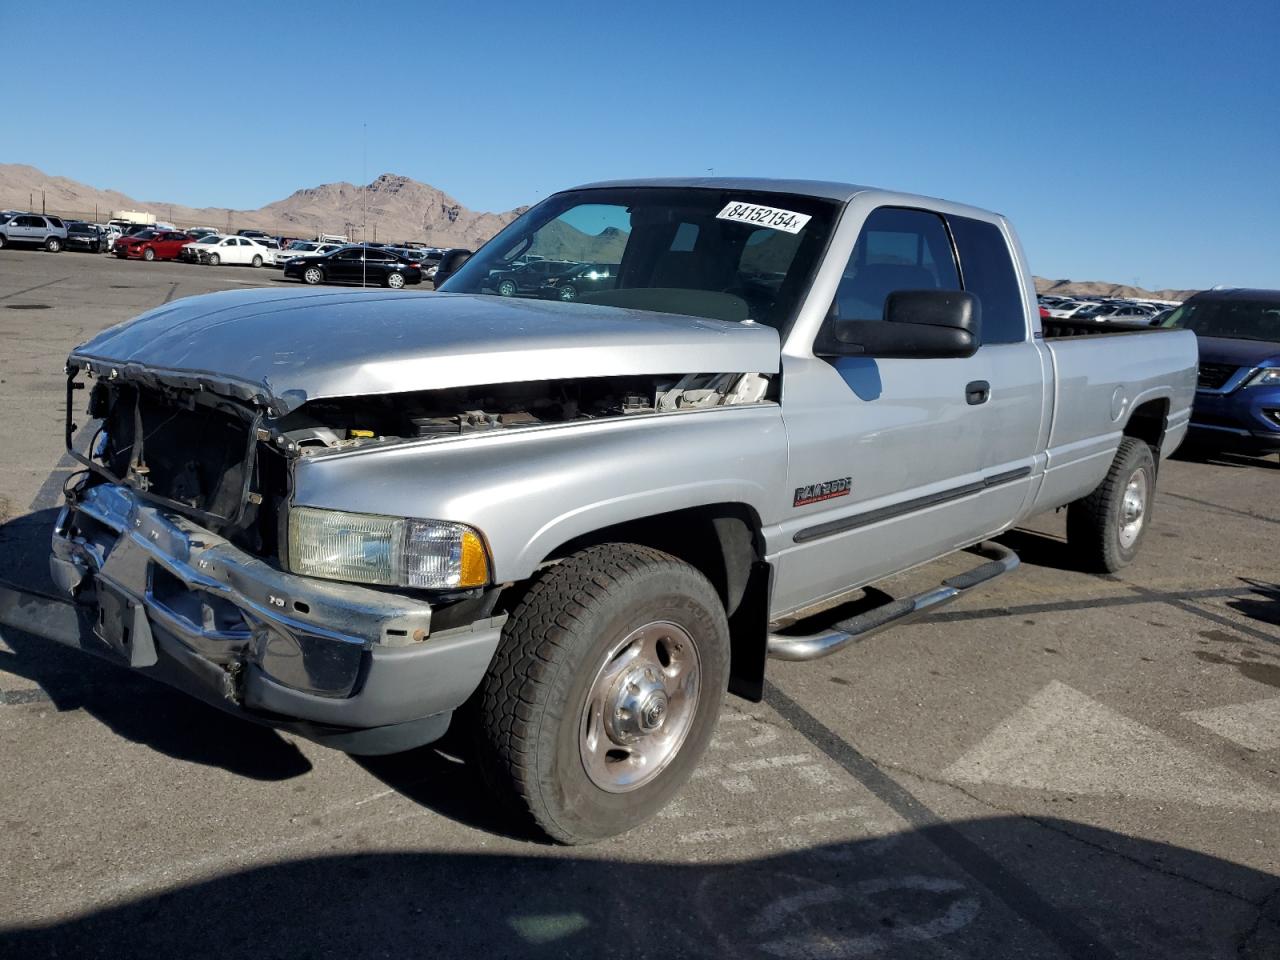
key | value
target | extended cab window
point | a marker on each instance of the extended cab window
(898, 249)
(989, 274)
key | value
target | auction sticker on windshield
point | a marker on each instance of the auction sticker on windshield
(771, 217)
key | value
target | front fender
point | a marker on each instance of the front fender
(530, 490)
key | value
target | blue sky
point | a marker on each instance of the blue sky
(1133, 142)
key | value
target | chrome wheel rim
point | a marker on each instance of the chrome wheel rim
(640, 707)
(312, 275)
(395, 280)
(568, 293)
(507, 289)
(1133, 508)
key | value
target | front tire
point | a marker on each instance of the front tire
(313, 275)
(53, 244)
(568, 292)
(148, 254)
(1105, 529)
(604, 691)
(507, 288)
(214, 260)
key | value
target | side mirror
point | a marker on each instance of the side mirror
(450, 263)
(917, 324)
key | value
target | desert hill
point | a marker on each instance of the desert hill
(1100, 288)
(395, 207)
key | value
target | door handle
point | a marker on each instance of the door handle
(976, 392)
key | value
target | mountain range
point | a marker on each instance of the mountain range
(394, 208)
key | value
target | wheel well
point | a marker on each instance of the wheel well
(721, 540)
(1147, 423)
(724, 542)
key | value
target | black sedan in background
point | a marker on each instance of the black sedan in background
(585, 278)
(356, 264)
(526, 278)
(85, 236)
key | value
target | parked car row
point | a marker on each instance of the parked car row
(1104, 309)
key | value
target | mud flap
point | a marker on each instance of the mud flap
(749, 635)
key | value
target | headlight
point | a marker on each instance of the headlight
(1265, 378)
(398, 552)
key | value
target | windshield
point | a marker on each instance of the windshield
(704, 252)
(1232, 319)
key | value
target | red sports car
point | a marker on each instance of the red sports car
(151, 245)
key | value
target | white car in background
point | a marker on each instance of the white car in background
(190, 252)
(234, 250)
(1065, 311)
(304, 248)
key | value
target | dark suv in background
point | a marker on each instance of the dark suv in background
(34, 229)
(1237, 405)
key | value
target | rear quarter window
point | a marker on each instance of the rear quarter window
(987, 271)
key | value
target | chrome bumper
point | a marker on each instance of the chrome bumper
(158, 587)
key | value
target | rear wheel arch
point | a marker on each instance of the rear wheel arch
(1147, 423)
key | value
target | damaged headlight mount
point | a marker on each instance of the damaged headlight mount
(391, 551)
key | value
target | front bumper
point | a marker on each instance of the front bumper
(1246, 418)
(344, 665)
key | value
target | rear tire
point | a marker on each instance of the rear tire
(257, 260)
(604, 691)
(395, 281)
(1105, 529)
(53, 244)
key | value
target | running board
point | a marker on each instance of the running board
(1000, 560)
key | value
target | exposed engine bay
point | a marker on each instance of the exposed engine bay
(347, 422)
(227, 462)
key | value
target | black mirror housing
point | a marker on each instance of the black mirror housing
(920, 324)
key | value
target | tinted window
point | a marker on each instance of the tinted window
(352, 253)
(1233, 319)
(988, 273)
(898, 249)
(29, 222)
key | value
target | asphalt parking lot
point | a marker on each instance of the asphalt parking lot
(1063, 766)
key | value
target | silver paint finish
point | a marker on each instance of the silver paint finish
(900, 429)
(531, 490)
(300, 344)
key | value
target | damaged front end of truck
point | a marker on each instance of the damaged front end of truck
(185, 548)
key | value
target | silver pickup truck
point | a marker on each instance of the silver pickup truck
(575, 518)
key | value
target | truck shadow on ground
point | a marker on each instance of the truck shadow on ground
(1057, 889)
(133, 706)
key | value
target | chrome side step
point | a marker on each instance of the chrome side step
(1000, 560)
